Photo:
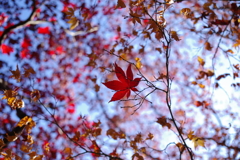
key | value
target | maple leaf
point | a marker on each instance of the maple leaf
(163, 121)
(70, 12)
(72, 19)
(74, 23)
(120, 4)
(16, 74)
(43, 30)
(9, 94)
(124, 84)
(24, 53)
(201, 61)
(24, 121)
(28, 72)
(26, 148)
(68, 150)
(180, 146)
(196, 140)
(6, 49)
(138, 63)
(174, 35)
(26, 43)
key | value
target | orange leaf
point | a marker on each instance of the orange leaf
(201, 85)
(208, 46)
(201, 61)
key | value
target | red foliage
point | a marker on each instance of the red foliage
(71, 108)
(51, 52)
(26, 43)
(24, 53)
(6, 49)
(59, 50)
(43, 30)
(3, 18)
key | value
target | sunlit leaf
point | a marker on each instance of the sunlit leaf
(194, 82)
(185, 11)
(201, 61)
(237, 44)
(25, 148)
(138, 63)
(198, 142)
(9, 94)
(74, 22)
(24, 121)
(68, 151)
(29, 126)
(201, 85)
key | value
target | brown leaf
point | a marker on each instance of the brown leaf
(208, 46)
(16, 74)
(163, 121)
(174, 35)
(112, 133)
(35, 95)
(138, 156)
(150, 136)
(120, 4)
(180, 146)
(28, 72)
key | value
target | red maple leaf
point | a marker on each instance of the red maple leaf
(6, 49)
(43, 30)
(26, 43)
(125, 84)
(24, 53)
(51, 52)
